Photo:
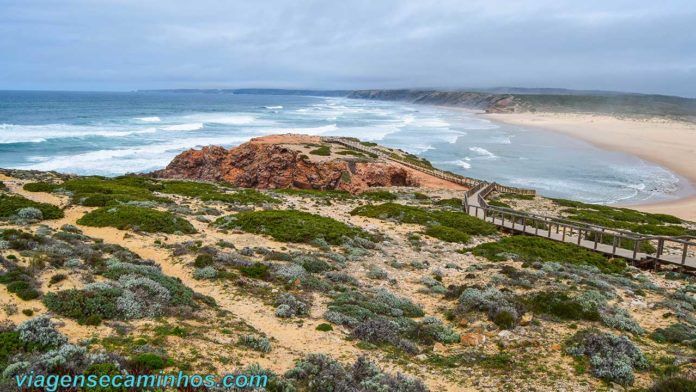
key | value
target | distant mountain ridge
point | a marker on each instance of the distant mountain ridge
(508, 100)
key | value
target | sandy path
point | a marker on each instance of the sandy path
(671, 144)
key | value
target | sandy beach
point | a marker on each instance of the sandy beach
(669, 143)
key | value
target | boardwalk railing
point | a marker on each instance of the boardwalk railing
(610, 241)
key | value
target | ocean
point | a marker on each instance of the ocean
(100, 133)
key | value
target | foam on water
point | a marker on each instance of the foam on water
(184, 127)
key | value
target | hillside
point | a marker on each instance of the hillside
(392, 288)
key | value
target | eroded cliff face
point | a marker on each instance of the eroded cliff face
(269, 166)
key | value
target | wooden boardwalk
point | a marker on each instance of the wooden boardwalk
(608, 241)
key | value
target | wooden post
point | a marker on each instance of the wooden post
(660, 246)
(579, 236)
(613, 249)
(683, 261)
(635, 249)
(536, 227)
(595, 240)
(502, 217)
(564, 231)
(524, 224)
(549, 228)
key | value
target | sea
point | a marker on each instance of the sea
(113, 133)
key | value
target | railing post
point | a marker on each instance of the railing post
(524, 224)
(635, 249)
(683, 260)
(579, 236)
(595, 240)
(613, 250)
(564, 234)
(660, 246)
(548, 227)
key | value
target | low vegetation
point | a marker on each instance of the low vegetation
(448, 226)
(531, 249)
(624, 218)
(15, 205)
(137, 218)
(291, 226)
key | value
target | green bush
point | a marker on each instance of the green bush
(40, 187)
(560, 305)
(98, 191)
(255, 271)
(407, 214)
(203, 260)
(10, 205)
(130, 217)
(211, 192)
(624, 218)
(447, 234)
(675, 333)
(324, 327)
(675, 384)
(149, 361)
(84, 305)
(531, 249)
(453, 202)
(378, 195)
(324, 194)
(322, 151)
(291, 226)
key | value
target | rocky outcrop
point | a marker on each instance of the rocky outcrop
(270, 166)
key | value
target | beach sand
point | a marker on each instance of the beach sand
(669, 143)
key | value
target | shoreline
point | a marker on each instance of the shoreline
(668, 143)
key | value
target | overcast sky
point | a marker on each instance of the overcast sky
(635, 45)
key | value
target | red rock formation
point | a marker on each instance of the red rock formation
(268, 166)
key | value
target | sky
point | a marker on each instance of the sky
(637, 46)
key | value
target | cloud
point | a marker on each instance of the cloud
(642, 46)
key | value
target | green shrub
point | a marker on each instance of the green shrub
(83, 305)
(11, 205)
(324, 327)
(378, 195)
(531, 249)
(453, 202)
(57, 278)
(675, 384)
(131, 217)
(40, 187)
(447, 234)
(28, 312)
(203, 260)
(100, 191)
(149, 361)
(324, 194)
(675, 333)
(210, 192)
(255, 271)
(322, 151)
(560, 305)
(291, 226)
(407, 214)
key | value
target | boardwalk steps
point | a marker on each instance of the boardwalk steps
(609, 241)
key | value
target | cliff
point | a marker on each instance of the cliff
(287, 162)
